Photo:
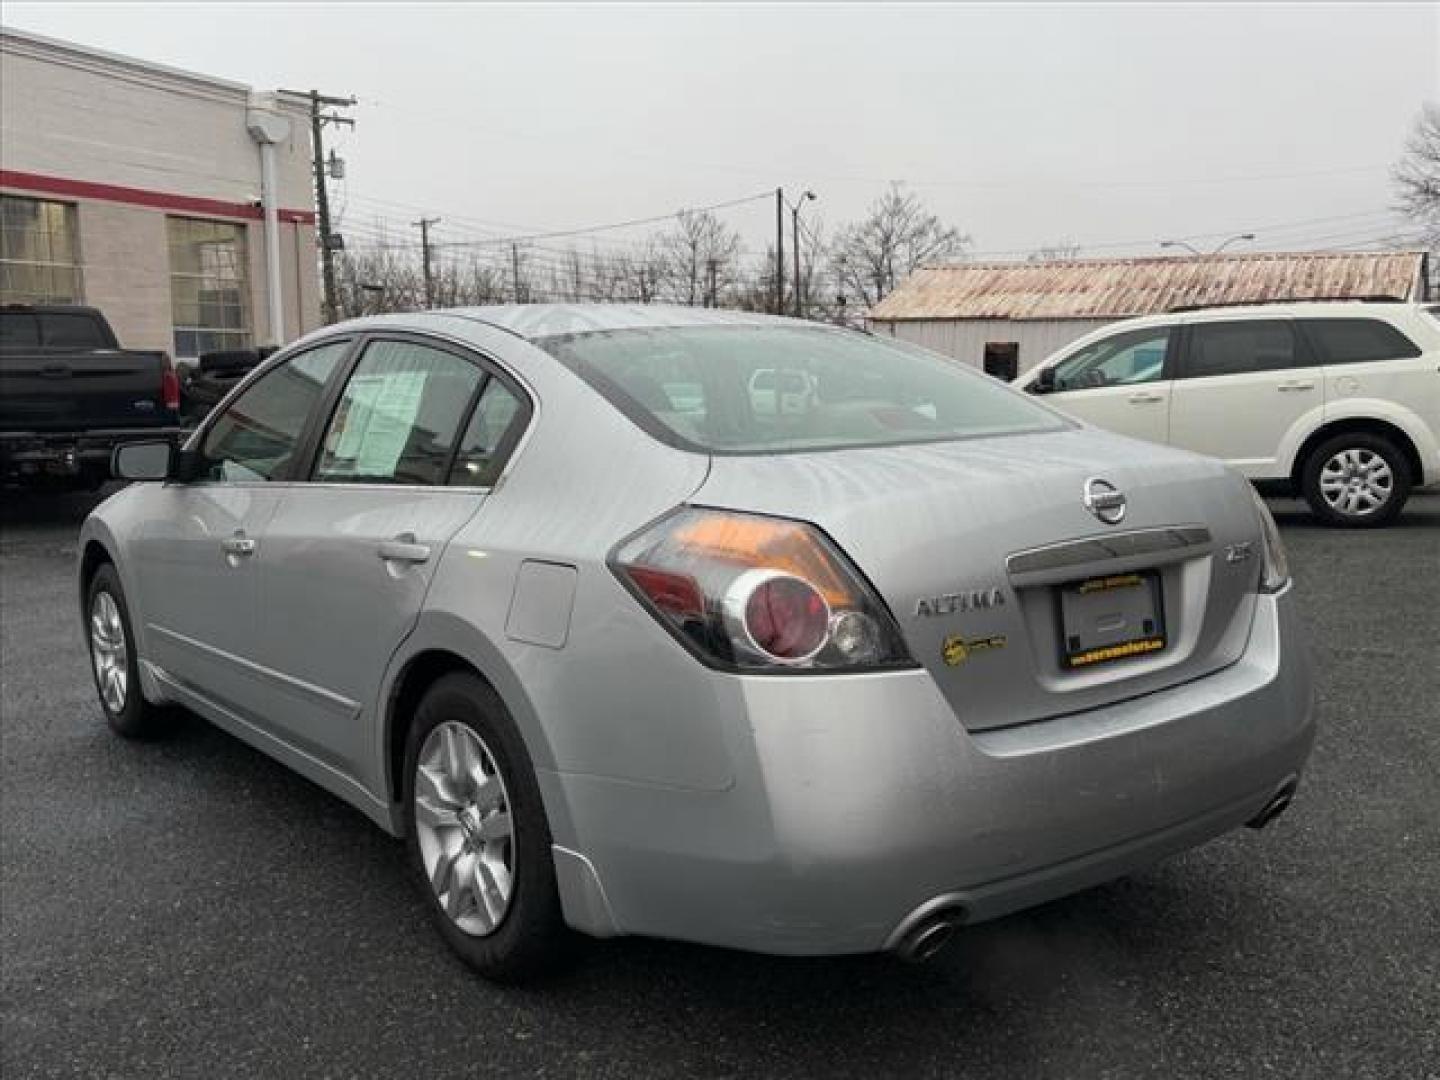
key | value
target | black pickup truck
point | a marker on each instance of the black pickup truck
(69, 394)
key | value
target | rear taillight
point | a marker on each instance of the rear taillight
(760, 594)
(169, 386)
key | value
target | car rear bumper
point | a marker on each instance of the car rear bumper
(860, 806)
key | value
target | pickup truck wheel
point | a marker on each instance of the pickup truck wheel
(477, 836)
(114, 664)
(1357, 481)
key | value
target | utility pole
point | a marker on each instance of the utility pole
(710, 283)
(515, 270)
(424, 224)
(779, 251)
(329, 242)
(795, 236)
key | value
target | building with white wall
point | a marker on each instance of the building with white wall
(1007, 317)
(142, 190)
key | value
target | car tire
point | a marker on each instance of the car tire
(460, 857)
(1356, 481)
(114, 664)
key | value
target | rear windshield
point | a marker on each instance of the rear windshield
(764, 389)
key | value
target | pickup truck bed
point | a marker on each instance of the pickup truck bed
(69, 394)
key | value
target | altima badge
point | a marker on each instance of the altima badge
(957, 650)
(957, 602)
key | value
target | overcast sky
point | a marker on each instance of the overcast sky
(1113, 126)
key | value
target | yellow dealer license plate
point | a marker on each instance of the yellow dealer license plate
(1105, 619)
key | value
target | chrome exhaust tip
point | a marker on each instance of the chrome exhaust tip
(1274, 808)
(928, 937)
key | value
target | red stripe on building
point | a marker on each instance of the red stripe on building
(160, 200)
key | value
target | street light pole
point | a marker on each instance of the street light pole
(795, 241)
(779, 251)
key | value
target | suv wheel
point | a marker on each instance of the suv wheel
(1356, 481)
(477, 836)
(114, 664)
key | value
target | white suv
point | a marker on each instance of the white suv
(1341, 401)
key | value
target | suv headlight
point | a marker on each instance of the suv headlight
(1275, 570)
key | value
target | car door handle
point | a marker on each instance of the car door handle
(403, 548)
(238, 545)
(1296, 384)
(1145, 399)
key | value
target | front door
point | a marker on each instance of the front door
(1119, 383)
(1241, 385)
(406, 459)
(201, 550)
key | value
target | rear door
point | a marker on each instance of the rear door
(413, 442)
(1120, 383)
(1241, 385)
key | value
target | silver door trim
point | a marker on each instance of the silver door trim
(327, 696)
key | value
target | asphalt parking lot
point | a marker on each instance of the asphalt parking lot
(190, 908)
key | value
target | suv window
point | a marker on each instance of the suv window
(73, 331)
(1137, 356)
(399, 418)
(488, 437)
(1234, 348)
(19, 328)
(1355, 341)
(255, 438)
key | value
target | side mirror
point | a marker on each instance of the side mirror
(142, 461)
(1044, 382)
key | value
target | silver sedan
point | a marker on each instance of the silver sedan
(623, 637)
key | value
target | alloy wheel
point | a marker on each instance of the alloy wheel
(1356, 482)
(108, 651)
(464, 829)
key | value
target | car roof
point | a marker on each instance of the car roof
(535, 321)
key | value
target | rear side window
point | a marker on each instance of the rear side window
(257, 435)
(1356, 341)
(488, 437)
(399, 419)
(1235, 348)
(19, 328)
(65, 331)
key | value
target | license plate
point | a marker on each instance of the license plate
(1105, 619)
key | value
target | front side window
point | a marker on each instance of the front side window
(1357, 341)
(209, 288)
(764, 389)
(399, 419)
(1235, 348)
(258, 435)
(39, 252)
(1137, 356)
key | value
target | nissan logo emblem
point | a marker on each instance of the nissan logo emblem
(1104, 500)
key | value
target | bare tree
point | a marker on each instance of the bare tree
(1055, 251)
(899, 235)
(701, 250)
(1417, 175)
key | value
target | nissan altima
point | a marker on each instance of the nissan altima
(619, 645)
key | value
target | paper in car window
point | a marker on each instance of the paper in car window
(380, 413)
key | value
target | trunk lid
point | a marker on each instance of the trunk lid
(971, 540)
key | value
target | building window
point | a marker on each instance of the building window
(39, 260)
(209, 295)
